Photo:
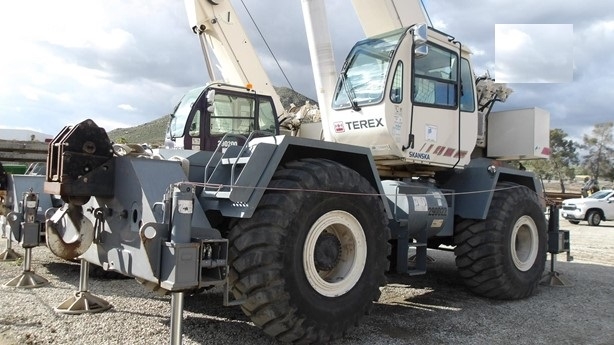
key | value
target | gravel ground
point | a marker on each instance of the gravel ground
(430, 309)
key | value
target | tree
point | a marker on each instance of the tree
(600, 147)
(563, 157)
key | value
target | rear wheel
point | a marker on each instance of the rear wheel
(309, 264)
(594, 218)
(504, 256)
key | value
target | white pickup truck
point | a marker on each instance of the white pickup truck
(594, 208)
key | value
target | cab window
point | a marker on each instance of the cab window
(396, 91)
(435, 78)
(266, 116)
(467, 98)
(232, 114)
(195, 125)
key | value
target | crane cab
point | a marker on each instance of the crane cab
(205, 114)
(402, 95)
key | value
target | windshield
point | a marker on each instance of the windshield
(363, 78)
(600, 194)
(182, 111)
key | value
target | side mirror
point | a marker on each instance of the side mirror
(421, 51)
(420, 37)
(420, 34)
(210, 96)
(210, 101)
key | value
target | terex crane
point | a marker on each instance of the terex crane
(302, 231)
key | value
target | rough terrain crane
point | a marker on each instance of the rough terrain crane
(301, 231)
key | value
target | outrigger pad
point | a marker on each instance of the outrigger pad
(83, 302)
(9, 255)
(27, 280)
(555, 279)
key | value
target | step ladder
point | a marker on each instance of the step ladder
(230, 173)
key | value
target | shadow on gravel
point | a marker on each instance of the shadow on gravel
(212, 303)
(438, 303)
(207, 311)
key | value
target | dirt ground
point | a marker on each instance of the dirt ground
(431, 309)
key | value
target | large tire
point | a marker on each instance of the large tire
(503, 257)
(309, 264)
(594, 218)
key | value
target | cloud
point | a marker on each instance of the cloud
(126, 107)
(534, 53)
(66, 60)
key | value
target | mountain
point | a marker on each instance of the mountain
(23, 135)
(153, 132)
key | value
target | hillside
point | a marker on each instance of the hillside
(23, 134)
(153, 132)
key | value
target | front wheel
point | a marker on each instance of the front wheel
(504, 256)
(594, 218)
(309, 263)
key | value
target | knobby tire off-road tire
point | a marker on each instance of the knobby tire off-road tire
(283, 292)
(594, 218)
(503, 257)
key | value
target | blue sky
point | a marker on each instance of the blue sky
(126, 62)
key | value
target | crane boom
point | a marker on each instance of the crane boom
(217, 25)
(377, 16)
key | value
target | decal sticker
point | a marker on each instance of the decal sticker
(228, 143)
(431, 133)
(363, 124)
(396, 127)
(419, 155)
(339, 127)
(420, 204)
(437, 223)
(185, 206)
(195, 143)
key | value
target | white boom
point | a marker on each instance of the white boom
(377, 16)
(219, 29)
(218, 26)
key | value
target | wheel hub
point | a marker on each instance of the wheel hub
(327, 252)
(524, 243)
(334, 253)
